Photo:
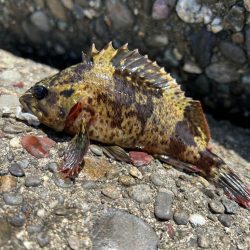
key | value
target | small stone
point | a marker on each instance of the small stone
(117, 229)
(26, 209)
(89, 184)
(225, 219)
(159, 177)
(23, 163)
(86, 243)
(113, 173)
(5, 232)
(247, 4)
(43, 239)
(32, 181)
(216, 25)
(163, 205)
(181, 217)
(170, 58)
(69, 4)
(61, 182)
(14, 128)
(119, 14)
(61, 211)
(52, 167)
(222, 72)
(57, 9)
(74, 242)
(216, 207)
(209, 193)
(96, 150)
(197, 220)
(15, 142)
(135, 172)
(231, 207)
(202, 44)
(141, 193)
(157, 40)
(40, 20)
(238, 37)
(127, 180)
(235, 18)
(7, 183)
(203, 241)
(111, 192)
(13, 199)
(192, 68)
(191, 11)
(34, 229)
(40, 212)
(17, 221)
(162, 9)
(16, 170)
(10, 156)
(247, 42)
(233, 52)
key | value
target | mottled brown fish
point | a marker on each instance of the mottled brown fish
(119, 97)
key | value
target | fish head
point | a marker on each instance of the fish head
(50, 100)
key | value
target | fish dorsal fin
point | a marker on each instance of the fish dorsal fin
(130, 62)
(196, 119)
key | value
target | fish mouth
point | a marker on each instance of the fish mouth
(26, 101)
(23, 101)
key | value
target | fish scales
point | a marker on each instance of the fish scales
(118, 97)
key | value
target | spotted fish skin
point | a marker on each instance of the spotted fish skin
(124, 99)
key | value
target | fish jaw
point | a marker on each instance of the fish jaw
(28, 105)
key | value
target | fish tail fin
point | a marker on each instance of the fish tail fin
(216, 170)
(233, 186)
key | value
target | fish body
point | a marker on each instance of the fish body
(119, 97)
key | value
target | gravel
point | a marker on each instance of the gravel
(163, 205)
(197, 220)
(16, 170)
(216, 207)
(181, 217)
(225, 219)
(141, 193)
(203, 241)
(13, 199)
(17, 221)
(119, 230)
(231, 207)
(43, 239)
(32, 181)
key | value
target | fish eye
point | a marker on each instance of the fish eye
(39, 91)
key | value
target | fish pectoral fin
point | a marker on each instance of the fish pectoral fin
(183, 166)
(117, 153)
(74, 154)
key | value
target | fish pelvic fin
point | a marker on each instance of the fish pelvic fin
(74, 154)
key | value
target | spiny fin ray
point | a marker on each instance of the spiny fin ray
(130, 63)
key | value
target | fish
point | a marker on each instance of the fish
(126, 101)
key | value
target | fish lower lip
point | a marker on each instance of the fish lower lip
(24, 104)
